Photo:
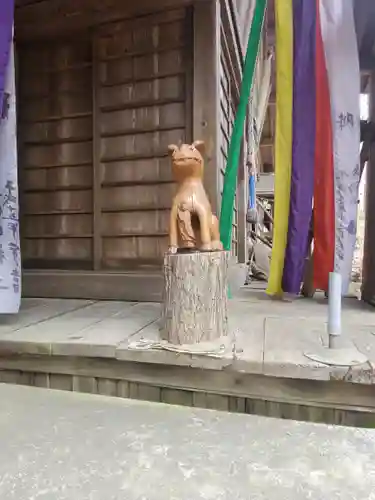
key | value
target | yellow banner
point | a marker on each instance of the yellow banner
(283, 140)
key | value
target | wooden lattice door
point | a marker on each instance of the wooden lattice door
(96, 115)
(142, 107)
(56, 161)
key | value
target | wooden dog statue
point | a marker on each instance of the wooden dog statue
(192, 223)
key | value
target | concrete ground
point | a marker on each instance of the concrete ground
(63, 446)
(271, 337)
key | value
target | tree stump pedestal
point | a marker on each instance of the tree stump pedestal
(195, 305)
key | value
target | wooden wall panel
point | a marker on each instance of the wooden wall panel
(56, 178)
(76, 225)
(69, 80)
(138, 146)
(141, 67)
(141, 197)
(59, 130)
(44, 252)
(57, 153)
(141, 108)
(137, 171)
(142, 119)
(137, 223)
(169, 89)
(135, 250)
(47, 108)
(47, 203)
(55, 140)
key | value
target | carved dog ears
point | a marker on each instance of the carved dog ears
(199, 145)
(172, 148)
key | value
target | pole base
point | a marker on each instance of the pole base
(344, 356)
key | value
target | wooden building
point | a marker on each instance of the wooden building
(365, 27)
(103, 87)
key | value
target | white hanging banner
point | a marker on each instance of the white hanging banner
(265, 91)
(10, 256)
(341, 53)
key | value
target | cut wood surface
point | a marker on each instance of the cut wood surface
(195, 297)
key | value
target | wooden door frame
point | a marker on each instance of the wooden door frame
(206, 101)
(72, 15)
(368, 279)
(144, 284)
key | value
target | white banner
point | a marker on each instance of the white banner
(264, 95)
(341, 53)
(10, 256)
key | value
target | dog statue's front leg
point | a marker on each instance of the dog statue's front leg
(216, 243)
(205, 229)
(173, 230)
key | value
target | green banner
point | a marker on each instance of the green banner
(230, 178)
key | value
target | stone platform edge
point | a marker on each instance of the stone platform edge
(298, 367)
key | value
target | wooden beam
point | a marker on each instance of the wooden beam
(189, 74)
(206, 91)
(242, 193)
(365, 80)
(366, 62)
(134, 286)
(368, 279)
(97, 177)
(66, 16)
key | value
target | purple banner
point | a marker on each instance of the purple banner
(6, 33)
(303, 143)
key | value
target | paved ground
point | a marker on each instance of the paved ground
(63, 446)
(272, 337)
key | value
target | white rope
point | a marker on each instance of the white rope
(214, 349)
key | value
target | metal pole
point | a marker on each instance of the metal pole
(334, 309)
(336, 354)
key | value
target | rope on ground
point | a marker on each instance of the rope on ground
(214, 349)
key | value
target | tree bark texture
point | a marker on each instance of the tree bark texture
(195, 305)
